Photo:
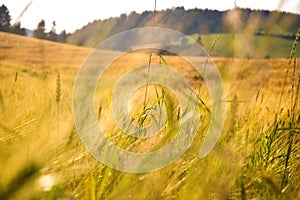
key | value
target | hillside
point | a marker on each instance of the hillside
(25, 52)
(42, 156)
(270, 25)
(243, 46)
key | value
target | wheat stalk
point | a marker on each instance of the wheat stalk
(58, 88)
(57, 99)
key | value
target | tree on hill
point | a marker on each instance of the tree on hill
(39, 32)
(4, 18)
(199, 40)
(62, 37)
(52, 34)
(5, 25)
(16, 28)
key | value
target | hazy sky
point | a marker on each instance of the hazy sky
(73, 14)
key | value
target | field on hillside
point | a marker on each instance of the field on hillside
(42, 156)
(247, 45)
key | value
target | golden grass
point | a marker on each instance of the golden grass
(32, 154)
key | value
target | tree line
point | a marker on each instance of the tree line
(5, 24)
(39, 32)
(192, 21)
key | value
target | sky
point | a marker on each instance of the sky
(70, 15)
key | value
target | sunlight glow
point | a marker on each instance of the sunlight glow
(72, 15)
(46, 182)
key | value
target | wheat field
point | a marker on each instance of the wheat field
(42, 157)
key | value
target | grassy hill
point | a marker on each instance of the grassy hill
(42, 156)
(257, 32)
(31, 53)
(245, 46)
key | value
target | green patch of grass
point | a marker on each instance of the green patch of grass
(245, 46)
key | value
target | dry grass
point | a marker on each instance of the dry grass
(250, 159)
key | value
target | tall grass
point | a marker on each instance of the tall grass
(257, 155)
(57, 99)
(271, 169)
